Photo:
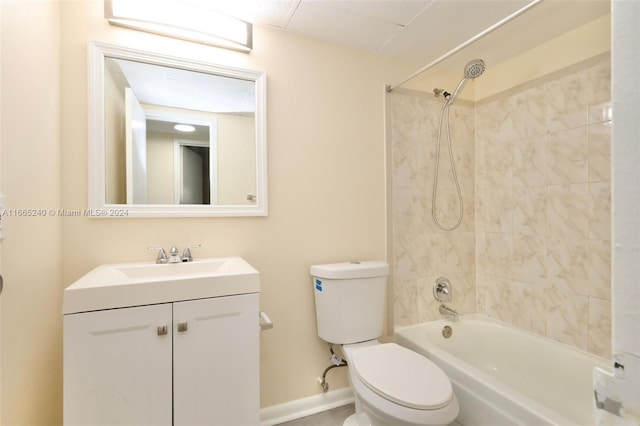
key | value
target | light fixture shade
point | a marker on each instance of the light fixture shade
(182, 20)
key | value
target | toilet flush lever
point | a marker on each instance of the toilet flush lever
(266, 323)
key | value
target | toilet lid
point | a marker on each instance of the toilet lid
(402, 376)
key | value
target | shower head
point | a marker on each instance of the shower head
(472, 70)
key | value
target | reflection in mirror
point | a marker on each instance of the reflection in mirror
(175, 137)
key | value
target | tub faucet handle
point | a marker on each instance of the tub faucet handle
(442, 290)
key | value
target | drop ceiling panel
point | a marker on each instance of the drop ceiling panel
(419, 31)
(360, 24)
(446, 24)
(274, 13)
(340, 25)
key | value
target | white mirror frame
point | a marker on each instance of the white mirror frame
(97, 137)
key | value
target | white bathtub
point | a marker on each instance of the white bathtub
(503, 375)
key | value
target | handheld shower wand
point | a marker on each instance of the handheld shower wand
(472, 70)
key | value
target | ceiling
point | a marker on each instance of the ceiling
(414, 31)
(419, 31)
(178, 88)
(185, 90)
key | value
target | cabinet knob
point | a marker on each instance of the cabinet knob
(182, 327)
(162, 330)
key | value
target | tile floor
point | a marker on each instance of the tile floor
(333, 417)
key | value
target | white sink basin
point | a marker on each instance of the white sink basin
(145, 283)
(217, 267)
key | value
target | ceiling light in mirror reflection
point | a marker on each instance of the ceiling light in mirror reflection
(186, 128)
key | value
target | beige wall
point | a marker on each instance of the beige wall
(160, 168)
(326, 184)
(1, 191)
(115, 145)
(31, 263)
(326, 192)
(236, 159)
(573, 47)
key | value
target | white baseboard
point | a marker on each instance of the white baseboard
(305, 407)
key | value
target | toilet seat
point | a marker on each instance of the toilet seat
(402, 376)
(390, 411)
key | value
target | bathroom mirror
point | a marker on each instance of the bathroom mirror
(174, 137)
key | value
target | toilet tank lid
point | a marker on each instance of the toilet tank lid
(350, 270)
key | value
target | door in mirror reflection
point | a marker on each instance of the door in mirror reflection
(194, 175)
(136, 149)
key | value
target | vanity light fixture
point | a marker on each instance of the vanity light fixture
(187, 128)
(181, 19)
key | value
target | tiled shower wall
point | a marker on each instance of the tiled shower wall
(422, 252)
(534, 247)
(543, 214)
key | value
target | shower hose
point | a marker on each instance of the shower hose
(445, 114)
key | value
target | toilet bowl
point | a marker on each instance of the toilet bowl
(395, 386)
(392, 385)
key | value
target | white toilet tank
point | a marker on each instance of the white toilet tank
(350, 300)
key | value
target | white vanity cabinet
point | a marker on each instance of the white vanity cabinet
(191, 362)
(216, 359)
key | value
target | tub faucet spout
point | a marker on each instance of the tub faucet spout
(448, 313)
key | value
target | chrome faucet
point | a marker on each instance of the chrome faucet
(448, 313)
(173, 255)
(186, 254)
(162, 255)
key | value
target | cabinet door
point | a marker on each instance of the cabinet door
(117, 367)
(216, 361)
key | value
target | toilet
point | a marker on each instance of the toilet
(392, 385)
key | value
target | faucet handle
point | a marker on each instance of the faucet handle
(186, 254)
(442, 290)
(162, 255)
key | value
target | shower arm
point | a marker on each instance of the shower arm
(473, 39)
